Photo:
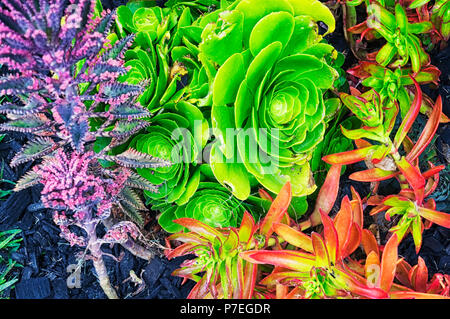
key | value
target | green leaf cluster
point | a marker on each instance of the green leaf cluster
(257, 74)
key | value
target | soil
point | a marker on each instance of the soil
(45, 256)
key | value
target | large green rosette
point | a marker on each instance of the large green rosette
(268, 111)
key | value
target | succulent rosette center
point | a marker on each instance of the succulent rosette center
(170, 138)
(211, 204)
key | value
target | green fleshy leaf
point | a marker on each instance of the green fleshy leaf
(255, 10)
(223, 39)
(277, 26)
(233, 175)
(315, 9)
(227, 80)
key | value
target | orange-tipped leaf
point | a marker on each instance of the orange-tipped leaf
(388, 263)
(277, 210)
(293, 236)
(327, 194)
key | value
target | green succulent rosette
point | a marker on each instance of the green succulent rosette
(216, 206)
(156, 32)
(268, 110)
(177, 135)
(147, 21)
(211, 204)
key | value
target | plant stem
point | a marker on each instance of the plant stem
(95, 249)
(138, 250)
(134, 248)
(349, 14)
(102, 274)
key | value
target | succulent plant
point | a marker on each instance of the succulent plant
(333, 142)
(64, 72)
(157, 31)
(218, 269)
(318, 269)
(65, 75)
(211, 204)
(82, 194)
(268, 111)
(393, 84)
(384, 161)
(178, 135)
(403, 44)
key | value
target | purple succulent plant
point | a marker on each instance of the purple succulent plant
(81, 194)
(65, 72)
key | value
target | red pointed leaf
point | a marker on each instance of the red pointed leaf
(327, 194)
(265, 195)
(188, 238)
(378, 209)
(362, 143)
(369, 242)
(195, 292)
(277, 210)
(320, 251)
(433, 171)
(247, 228)
(360, 289)
(358, 212)
(402, 273)
(181, 250)
(288, 259)
(388, 263)
(353, 241)
(419, 277)
(200, 228)
(413, 176)
(350, 157)
(343, 222)
(428, 132)
(331, 237)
